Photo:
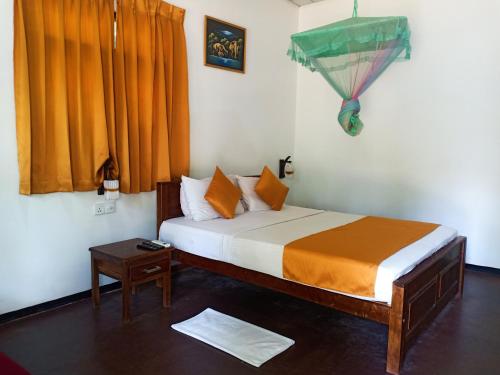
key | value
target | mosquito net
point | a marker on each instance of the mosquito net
(351, 55)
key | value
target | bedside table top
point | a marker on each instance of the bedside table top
(127, 250)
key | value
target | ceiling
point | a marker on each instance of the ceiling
(303, 2)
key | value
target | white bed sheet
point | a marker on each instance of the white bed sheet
(256, 241)
(262, 249)
(209, 238)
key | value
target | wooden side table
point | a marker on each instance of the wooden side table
(132, 266)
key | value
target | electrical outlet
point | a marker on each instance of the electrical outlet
(99, 208)
(110, 207)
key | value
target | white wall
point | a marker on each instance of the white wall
(239, 122)
(242, 122)
(430, 149)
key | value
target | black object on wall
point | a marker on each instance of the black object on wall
(283, 163)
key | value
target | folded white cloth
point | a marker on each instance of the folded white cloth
(248, 342)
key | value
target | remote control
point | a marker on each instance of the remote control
(149, 246)
(161, 243)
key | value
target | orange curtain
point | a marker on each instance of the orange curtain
(64, 92)
(174, 45)
(151, 94)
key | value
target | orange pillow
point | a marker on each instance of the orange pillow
(271, 190)
(222, 195)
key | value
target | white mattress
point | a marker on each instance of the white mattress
(256, 241)
(209, 238)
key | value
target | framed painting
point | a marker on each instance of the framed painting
(224, 45)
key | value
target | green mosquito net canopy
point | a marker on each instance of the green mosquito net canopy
(351, 55)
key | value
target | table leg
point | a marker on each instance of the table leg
(166, 289)
(125, 295)
(95, 282)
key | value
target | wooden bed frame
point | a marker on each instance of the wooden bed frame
(417, 297)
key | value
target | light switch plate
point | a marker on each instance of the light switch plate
(110, 207)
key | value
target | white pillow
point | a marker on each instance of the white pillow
(240, 207)
(250, 197)
(184, 205)
(196, 207)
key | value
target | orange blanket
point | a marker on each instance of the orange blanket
(346, 258)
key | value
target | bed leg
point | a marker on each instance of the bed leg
(462, 269)
(395, 344)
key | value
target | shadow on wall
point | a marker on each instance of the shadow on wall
(375, 195)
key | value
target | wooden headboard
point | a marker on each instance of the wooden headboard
(168, 201)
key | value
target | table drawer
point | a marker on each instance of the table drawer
(150, 269)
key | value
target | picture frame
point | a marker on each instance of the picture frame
(225, 45)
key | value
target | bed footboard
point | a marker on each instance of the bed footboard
(420, 295)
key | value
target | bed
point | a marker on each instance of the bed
(411, 287)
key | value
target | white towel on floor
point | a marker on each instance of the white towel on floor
(248, 342)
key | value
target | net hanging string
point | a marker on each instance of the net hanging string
(355, 10)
